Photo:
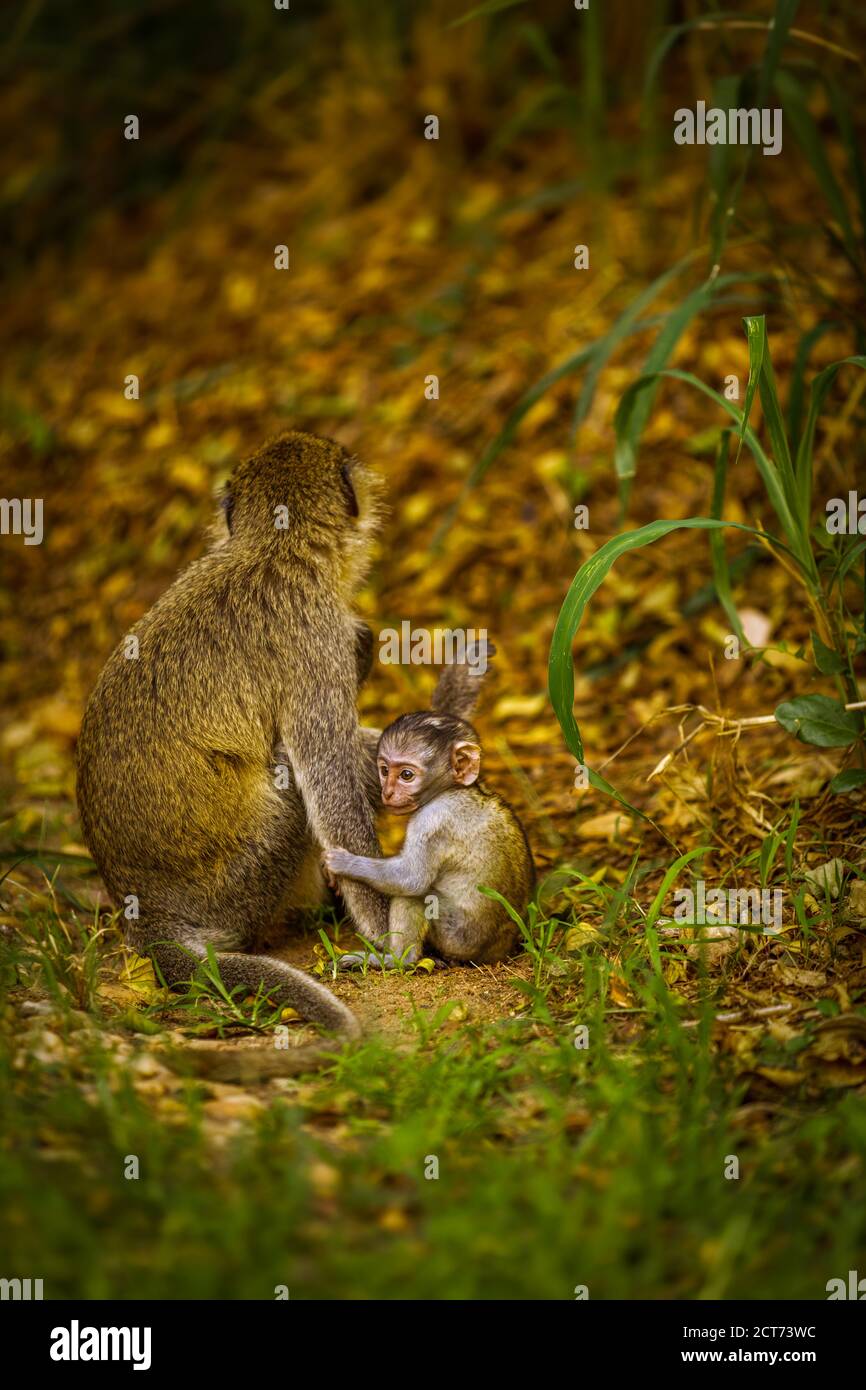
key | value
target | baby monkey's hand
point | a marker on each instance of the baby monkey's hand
(338, 861)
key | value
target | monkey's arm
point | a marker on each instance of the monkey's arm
(369, 768)
(363, 652)
(327, 757)
(405, 875)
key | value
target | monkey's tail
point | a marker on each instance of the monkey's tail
(459, 686)
(286, 985)
(280, 982)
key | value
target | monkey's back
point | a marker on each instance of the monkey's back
(489, 849)
(176, 748)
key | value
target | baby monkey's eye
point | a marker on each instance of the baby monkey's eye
(407, 775)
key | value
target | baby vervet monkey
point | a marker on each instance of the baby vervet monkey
(459, 837)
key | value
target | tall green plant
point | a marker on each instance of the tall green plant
(817, 563)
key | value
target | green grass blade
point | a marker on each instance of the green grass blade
(766, 468)
(726, 194)
(509, 429)
(540, 44)
(640, 405)
(820, 386)
(808, 137)
(593, 60)
(665, 44)
(721, 573)
(798, 372)
(756, 331)
(783, 18)
(503, 902)
(670, 875)
(595, 356)
(719, 168)
(489, 7)
(728, 198)
(851, 142)
(757, 343)
(588, 579)
(625, 324)
(848, 561)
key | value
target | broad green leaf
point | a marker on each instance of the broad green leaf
(828, 661)
(848, 781)
(818, 720)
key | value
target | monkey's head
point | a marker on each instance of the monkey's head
(303, 497)
(422, 755)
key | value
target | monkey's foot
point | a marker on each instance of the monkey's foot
(356, 960)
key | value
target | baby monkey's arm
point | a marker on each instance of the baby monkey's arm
(405, 875)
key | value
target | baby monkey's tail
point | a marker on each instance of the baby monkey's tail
(459, 686)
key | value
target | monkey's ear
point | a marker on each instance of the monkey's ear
(465, 762)
(348, 490)
(227, 502)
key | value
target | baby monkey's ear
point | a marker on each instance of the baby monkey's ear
(465, 762)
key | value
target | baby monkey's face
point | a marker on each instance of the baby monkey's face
(404, 779)
(420, 756)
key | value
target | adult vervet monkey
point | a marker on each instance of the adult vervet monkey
(220, 751)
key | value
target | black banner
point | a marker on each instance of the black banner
(240, 1339)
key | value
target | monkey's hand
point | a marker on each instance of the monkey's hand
(400, 876)
(340, 861)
